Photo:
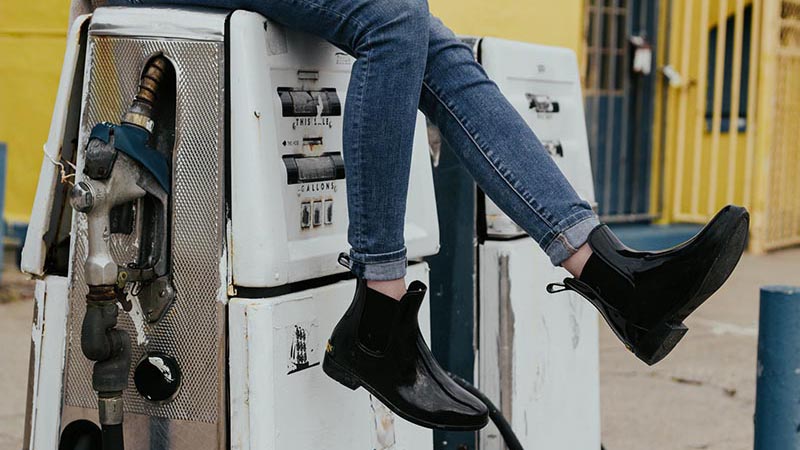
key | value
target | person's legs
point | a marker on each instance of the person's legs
(500, 150)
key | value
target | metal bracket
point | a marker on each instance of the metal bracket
(156, 297)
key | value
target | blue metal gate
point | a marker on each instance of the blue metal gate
(620, 105)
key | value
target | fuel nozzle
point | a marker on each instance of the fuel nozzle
(126, 180)
(122, 170)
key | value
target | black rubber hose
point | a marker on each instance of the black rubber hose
(497, 417)
(112, 437)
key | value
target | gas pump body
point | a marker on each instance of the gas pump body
(534, 355)
(257, 215)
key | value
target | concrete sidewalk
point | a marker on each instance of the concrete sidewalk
(16, 313)
(701, 397)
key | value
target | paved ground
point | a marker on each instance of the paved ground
(16, 312)
(700, 397)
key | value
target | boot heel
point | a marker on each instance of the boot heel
(338, 373)
(657, 343)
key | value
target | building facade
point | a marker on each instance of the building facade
(689, 104)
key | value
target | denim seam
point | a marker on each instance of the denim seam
(364, 256)
(565, 222)
(368, 263)
(359, 139)
(561, 236)
(485, 156)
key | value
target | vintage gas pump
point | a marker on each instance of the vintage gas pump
(185, 301)
(534, 355)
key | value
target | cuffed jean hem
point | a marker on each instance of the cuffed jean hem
(379, 266)
(575, 234)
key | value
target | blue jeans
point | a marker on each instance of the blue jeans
(407, 59)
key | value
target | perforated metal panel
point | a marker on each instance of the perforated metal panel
(193, 329)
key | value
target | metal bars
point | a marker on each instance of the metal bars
(619, 107)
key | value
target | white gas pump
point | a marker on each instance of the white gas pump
(226, 342)
(545, 370)
(536, 354)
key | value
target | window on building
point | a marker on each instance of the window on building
(713, 35)
(607, 40)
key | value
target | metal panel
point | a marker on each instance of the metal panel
(47, 357)
(165, 22)
(280, 400)
(193, 330)
(50, 211)
(538, 352)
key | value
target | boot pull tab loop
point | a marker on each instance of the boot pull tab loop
(554, 288)
(344, 260)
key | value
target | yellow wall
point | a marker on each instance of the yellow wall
(32, 45)
(541, 21)
(31, 52)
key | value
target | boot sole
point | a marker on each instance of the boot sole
(661, 339)
(351, 381)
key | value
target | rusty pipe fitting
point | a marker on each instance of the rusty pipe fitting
(140, 112)
(109, 348)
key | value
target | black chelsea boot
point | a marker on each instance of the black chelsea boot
(645, 296)
(377, 345)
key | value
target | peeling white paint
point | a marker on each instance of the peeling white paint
(37, 329)
(574, 323)
(383, 422)
(555, 359)
(159, 364)
(222, 291)
(137, 317)
(50, 325)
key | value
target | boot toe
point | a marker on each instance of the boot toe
(428, 402)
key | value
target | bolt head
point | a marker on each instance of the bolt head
(82, 197)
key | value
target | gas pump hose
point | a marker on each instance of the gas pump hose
(494, 414)
(511, 440)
